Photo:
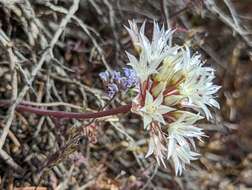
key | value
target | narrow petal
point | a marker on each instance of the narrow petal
(159, 99)
(148, 98)
(146, 120)
(162, 109)
(158, 117)
(171, 147)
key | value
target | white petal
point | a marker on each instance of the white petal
(133, 60)
(148, 98)
(142, 28)
(162, 109)
(150, 149)
(158, 117)
(171, 147)
(146, 120)
(159, 99)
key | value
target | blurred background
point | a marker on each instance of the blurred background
(51, 54)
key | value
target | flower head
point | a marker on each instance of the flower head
(182, 131)
(156, 145)
(175, 90)
(152, 52)
(153, 110)
(181, 156)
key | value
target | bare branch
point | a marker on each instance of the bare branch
(46, 56)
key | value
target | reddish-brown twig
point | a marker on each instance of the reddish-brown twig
(24, 107)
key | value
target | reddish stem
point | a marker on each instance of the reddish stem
(68, 115)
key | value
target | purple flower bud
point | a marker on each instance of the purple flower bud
(115, 80)
(104, 76)
(112, 89)
(123, 83)
(129, 72)
(116, 75)
(131, 76)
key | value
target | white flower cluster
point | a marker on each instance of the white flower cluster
(175, 92)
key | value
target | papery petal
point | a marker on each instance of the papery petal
(146, 120)
(162, 109)
(148, 98)
(171, 147)
(159, 118)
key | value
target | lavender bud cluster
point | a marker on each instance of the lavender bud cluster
(114, 80)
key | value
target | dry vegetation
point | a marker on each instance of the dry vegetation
(50, 56)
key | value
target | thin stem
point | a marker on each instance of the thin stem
(67, 115)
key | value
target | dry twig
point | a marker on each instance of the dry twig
(46, 56)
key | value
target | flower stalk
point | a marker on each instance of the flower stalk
(25, 107)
